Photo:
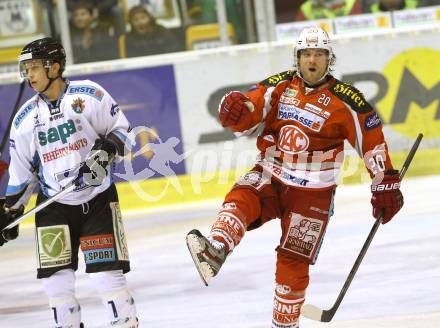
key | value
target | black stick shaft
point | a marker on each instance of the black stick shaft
(328, 314)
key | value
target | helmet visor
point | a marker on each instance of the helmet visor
(26, 66)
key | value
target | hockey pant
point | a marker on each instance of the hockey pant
(304, 214)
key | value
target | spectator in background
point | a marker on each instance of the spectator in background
(205, 12)
(318, 9)
(146, 37)
(108, 12)
(390, 5)
(90, 42)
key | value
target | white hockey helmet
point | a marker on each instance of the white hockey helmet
(313, 38)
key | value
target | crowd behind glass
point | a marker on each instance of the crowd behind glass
(110, 29)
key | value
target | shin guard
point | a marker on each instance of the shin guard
(66, 312)
(121, 309)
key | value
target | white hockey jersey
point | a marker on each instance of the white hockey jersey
(48, 143)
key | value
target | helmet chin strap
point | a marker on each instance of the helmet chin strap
(50, 81)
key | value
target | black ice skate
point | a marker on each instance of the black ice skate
(207, 258)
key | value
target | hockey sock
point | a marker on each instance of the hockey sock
(286, 308)
(227, 229)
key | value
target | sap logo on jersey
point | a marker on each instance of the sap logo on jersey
(61, 132)
(86, 90)
(292, 140)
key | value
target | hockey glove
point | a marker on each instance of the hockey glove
(95, 168)
(3, 168)
(386, 196)
(8, 215)
(235, 108)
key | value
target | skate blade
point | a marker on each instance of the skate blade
(204, 269)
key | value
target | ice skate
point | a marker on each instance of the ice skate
(207, 257)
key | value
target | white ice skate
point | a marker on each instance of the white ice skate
(207, 258)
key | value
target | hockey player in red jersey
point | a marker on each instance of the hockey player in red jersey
(307, 115)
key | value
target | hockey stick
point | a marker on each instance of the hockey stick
(70, 187)
(315, 313)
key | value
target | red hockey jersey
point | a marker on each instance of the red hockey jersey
(302, 143)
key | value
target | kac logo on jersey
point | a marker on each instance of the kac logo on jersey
(78, 105)
(61, 132)
(292, 140)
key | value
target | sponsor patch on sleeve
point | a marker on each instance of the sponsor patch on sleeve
(23, 113)
(86, 90)
(372, 121)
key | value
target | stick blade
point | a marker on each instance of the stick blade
(311, 312)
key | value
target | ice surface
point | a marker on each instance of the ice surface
(397, 285)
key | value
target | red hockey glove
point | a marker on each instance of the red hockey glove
(235, 108)
(386, 196)
(3, 168)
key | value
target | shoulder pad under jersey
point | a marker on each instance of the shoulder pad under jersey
(351, 96)
(277, 78)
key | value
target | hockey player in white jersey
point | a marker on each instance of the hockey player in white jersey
(51, 136)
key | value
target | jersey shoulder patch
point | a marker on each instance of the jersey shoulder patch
(351, 96)
(24, 111)
(87, 88)
(277, 78)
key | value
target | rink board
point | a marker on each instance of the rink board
(176, 96)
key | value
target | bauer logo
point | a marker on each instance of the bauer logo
(86, 90)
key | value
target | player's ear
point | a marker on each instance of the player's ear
(55, 69)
